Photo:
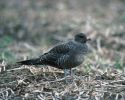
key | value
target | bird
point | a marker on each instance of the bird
(63, 56)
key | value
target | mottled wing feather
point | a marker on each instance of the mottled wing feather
(57, 55)
(49, 59)
(61, 49)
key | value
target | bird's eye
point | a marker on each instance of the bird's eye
(81, 36)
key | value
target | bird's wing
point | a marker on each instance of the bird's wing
(62, 48)
(49, 59)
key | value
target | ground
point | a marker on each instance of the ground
(28, 28)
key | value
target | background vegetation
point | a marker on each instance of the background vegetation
(30, 27)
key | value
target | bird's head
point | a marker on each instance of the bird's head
(81, 37)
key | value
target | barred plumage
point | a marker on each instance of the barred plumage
(63, 56)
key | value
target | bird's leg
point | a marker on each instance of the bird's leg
(65, 74)
(71, 73)
(68, 79)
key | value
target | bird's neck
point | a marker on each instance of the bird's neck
(80, 41)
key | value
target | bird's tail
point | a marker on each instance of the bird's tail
(30, 62)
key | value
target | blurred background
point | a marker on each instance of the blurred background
(30, 27)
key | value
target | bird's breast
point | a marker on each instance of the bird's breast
(78, 58)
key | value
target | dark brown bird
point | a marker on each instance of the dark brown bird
(63, 56)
